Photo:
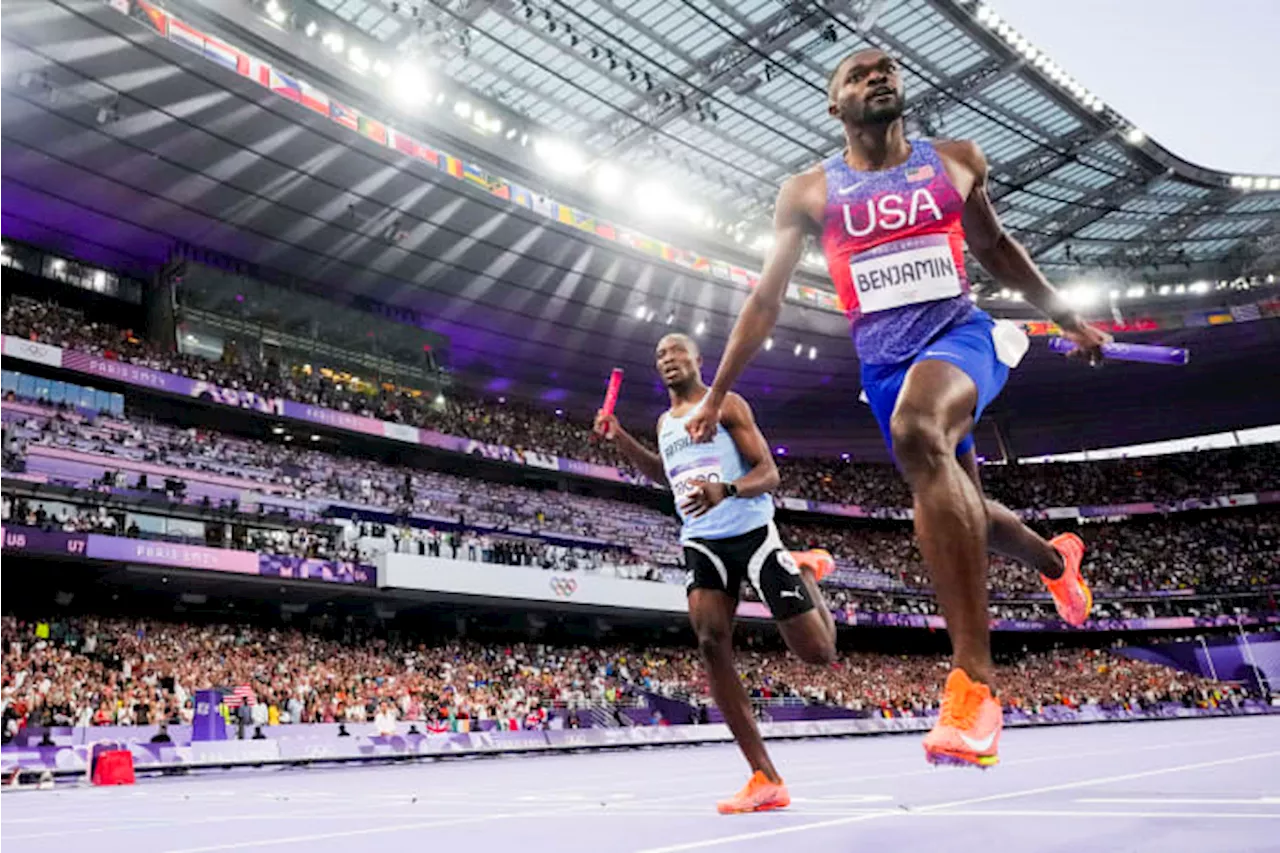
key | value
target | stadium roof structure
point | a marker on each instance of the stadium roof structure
(728, 98)
(124, 141)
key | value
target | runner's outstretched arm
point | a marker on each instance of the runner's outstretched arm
(1008, 261)
(760, 311)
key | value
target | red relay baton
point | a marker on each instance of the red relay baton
(611, 395)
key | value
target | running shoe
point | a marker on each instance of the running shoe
(1071, 595)
(968, 730)
(759, 795)
(818, 560)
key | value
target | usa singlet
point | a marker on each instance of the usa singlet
(894, 245)
(717, 462)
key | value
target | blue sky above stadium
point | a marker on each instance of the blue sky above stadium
(1198, 77)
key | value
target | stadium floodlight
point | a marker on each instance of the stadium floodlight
(1082, 296)
(511, 133)
(1002, 30)
(1134, 136)
(462, 109)
(334, 42)
(1164, 290)
(813, 353)
(1273, 184)
(358, 59)
(1180, 289)
(1136, 292)
(408, 85)
(1199, 287)
(1031, 53)
(382, 69)
(276, 13)
(641, 311)
(560, 156)
(311, 29)
(609, 179)
(762, 243)
(701, 329)
(983, 14)
(1238, 182)
(768, 344)
(654, 199)
(799, 349)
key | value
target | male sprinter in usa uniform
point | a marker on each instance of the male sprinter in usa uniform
(722, 495)
(893, 216)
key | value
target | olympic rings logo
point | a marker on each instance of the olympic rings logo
(564, 587)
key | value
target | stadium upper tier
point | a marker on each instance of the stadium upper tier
(1233, 549)
(114, 671)
(509, 423)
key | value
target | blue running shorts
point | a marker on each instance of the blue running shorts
(968, 345)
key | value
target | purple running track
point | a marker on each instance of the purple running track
(1161, 786)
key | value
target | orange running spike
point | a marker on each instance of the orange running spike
(1071, 595)
(759, 795)
(968, 729)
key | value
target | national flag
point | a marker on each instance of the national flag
(157, 18)
(1245, 313)
(188, 37)
(564, 214)
(404, 144)
(606, 230)
(923, 173)
(258, 71)
(701, 263)
(499, 188)
(286, 86)
(226, 56)
(452, 165)
(1220, 318)
(738, 275)
(313, 99)
(429, 155)
(719, 269)
(544, 206)
(375, 130)
(344, 116)
(521, 196)
(242, 695)
(473, 173)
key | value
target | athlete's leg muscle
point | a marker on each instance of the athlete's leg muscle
(933, 413)
(811, 636)
(1008, 536)
(711, 614)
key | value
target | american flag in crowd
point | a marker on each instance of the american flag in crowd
(242, 695)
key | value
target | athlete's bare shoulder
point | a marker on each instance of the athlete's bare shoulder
(803, 197)
(965, 162)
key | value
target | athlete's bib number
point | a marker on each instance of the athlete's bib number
(904, 273)
(682, 478)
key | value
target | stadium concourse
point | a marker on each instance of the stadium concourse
(309, 541)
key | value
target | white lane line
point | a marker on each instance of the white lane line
(1202, 801)
(943, 807)
(1093, 814)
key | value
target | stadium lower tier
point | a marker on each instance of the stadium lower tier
(85, 670)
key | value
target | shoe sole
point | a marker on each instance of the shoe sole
(767, 807)
(955, 758)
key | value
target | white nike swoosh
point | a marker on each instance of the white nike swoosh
(979, 745)
(850, 188)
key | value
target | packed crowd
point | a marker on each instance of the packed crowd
(491, 522)
(102, 671)
(508, 422)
